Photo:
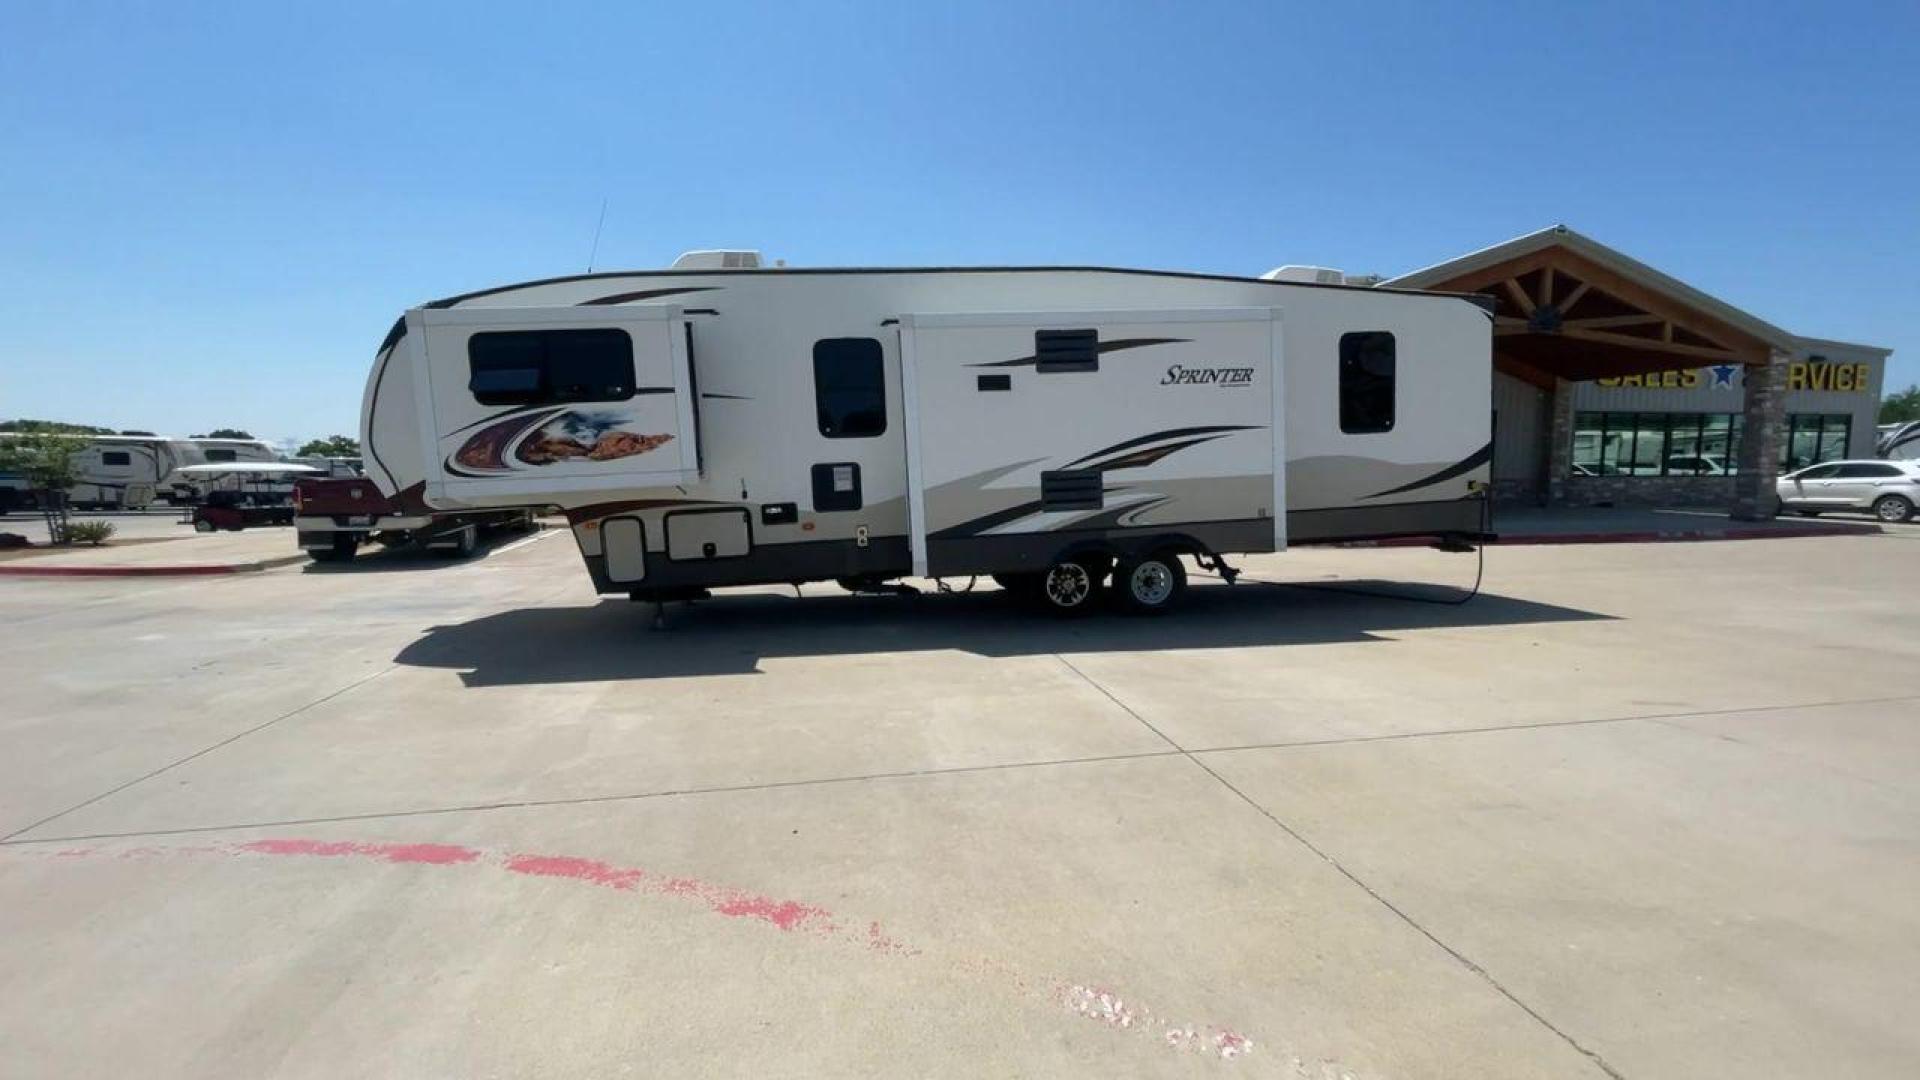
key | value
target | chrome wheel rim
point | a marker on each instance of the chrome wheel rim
(1068, 585)
(1151, 583)
(1891, 510)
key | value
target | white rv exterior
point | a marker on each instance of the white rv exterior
(797, 425)
(133, 471)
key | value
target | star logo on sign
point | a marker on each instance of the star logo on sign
(1723, 374)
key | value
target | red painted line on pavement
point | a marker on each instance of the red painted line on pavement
(431, 854)
(1103, 1006)
(785, 914)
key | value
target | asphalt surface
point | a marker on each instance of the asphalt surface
(1639, 811)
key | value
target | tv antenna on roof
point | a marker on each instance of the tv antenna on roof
(595, 251)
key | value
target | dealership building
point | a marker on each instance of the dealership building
(1615, 383)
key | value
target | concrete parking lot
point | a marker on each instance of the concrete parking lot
(1638, 811)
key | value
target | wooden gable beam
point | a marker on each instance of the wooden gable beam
(1609, 321)
(1525, 372)
(1573, 298)
(1745, 347)
(1519, 295)
(1648, 345)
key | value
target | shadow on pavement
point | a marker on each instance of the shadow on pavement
(730, 635)
(375, 559)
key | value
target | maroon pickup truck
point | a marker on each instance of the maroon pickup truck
(334, 517)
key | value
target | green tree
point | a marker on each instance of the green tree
(136, 431)
(226, 433)
(1901, 406)
(331, 446)
(45, 461)
(54, 427)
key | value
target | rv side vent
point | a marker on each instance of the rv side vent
(1070, 489)
(1066, 350)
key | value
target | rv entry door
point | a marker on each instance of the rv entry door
(529, 403)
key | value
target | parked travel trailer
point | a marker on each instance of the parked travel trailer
(1052, 427)
(1901, 442)
(133, 471)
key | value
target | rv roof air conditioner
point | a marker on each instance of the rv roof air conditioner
(1313, 275)
(718, 260)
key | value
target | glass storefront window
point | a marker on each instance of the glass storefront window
(1655, 444)
(1589, 436)
(1834, 432)
(1649, 445)
(1812, 438)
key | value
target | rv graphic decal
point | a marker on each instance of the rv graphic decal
(1116, 345)
(544, 436)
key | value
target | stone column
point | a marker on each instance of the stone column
(1560, 443)
(1765, 415)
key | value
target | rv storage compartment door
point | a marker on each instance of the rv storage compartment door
(1030, 431)
(530, 403)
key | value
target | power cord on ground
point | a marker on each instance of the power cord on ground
(1479, 573)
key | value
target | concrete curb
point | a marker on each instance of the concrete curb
(1665, 536)
(184, 570)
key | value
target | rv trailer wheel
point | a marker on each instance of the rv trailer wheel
(1069, 588)
(1150, 585)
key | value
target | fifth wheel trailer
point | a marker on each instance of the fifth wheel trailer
(1049, 426)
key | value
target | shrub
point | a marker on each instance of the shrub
(89, 532)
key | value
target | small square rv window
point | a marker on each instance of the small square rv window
(115, 457)
(220, 453)
(539, 367)
(1366, 382)
(1066, 350)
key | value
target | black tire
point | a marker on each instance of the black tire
(1150, 585)
(1071, 587)
(464, 546)
(1893, 508)
(341, 550)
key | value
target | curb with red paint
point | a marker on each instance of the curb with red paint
(1646, 536)
(183, 570)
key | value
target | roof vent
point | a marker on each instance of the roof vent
(718, 260)
(1312, 275)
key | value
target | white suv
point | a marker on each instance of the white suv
(1889, 489)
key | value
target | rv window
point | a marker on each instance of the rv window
(850, 387)
(220, 453)
(1366, 382)
(1066, 350)
(115, 457)
(535, 367)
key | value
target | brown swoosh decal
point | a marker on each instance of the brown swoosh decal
(645, 294)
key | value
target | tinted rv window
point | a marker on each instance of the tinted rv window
(849, 387)
(220, 453)
(115, 457)
(1066, 350)
(1366, 382)
(535, 367)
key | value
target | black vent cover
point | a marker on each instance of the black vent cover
(1070, 489)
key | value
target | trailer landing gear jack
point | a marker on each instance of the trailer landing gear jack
(660, 598)
(1214, 564)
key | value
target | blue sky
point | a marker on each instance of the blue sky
(209, 214)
